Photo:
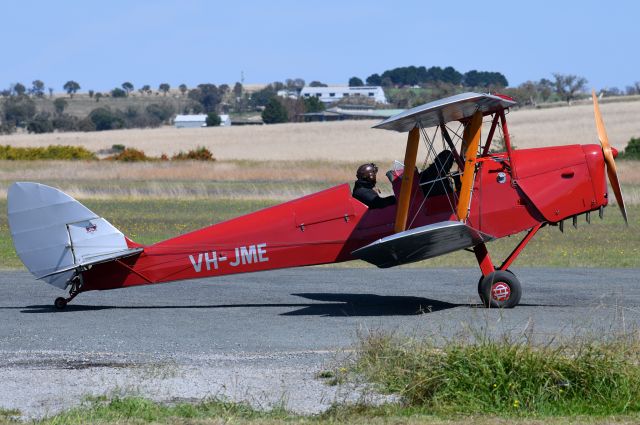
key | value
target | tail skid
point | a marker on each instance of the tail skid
(56, 236)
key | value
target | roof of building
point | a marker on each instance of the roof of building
(340, 88)
(191, 118)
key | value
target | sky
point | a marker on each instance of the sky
(101, 44)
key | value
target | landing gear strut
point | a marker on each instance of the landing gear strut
(76, 287)
(498, 286)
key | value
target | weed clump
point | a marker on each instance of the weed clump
(129, 155)
(505, 377)
(198, 154)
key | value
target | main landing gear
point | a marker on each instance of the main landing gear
(498, 287)
(76, 287)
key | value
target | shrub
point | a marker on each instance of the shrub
(160, 111)
(213, 119)
(130, 155)
(66, 122)
(58, 152)
(40, 124)
(274, 112)
(118, 92)
(632, 151)
(105, 119)
(199, 154)
(117, 148)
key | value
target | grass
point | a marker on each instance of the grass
(604, 243)
(137, 410)
(589, 376)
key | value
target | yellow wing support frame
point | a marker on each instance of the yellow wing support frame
(411, 152)
(471, 141)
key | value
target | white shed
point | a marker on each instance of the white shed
(200, 120)
(335, 93)
(190, 121)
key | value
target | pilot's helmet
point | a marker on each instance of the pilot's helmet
(367, 172)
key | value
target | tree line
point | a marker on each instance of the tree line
(404, 87)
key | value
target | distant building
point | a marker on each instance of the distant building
(335, 93)
(225, 120)
(190, 121)
(199, 120)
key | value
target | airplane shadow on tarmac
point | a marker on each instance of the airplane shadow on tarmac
(327, 304)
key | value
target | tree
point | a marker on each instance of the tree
(208, 95)
(40, 124)
(567, 86)
(183, 88)
(127, 87)
(71, 87)
(485, 79)
(59, 104)
(274, 112)
(146, 89)
(164, 88)
(104, 119)
(37, 88)
(317, 84)
(355, 82)
(91, 93)
(18, 110)
(19, 89)
(294, 84)
(374, 80)
(313, 104)
(118, 92)
(161, 112)
(237, 90)
(98, 96)
(213, 119)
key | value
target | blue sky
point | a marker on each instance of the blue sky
(101, 44)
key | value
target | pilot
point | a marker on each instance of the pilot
(434, 180)
(365, 191)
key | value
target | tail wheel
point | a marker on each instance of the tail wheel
(500, 289)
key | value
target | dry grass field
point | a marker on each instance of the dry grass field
(346, 141)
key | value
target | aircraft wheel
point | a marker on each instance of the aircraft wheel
(500, 289)
(60, 303)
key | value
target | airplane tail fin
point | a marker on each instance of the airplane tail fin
(56, 237)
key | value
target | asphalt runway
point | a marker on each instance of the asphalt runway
(262, 337)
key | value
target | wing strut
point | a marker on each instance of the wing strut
(410, 155)
(470, 143)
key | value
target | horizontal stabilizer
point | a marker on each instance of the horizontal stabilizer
(421, 243)
(95, 259)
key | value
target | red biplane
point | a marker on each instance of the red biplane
(491, 195)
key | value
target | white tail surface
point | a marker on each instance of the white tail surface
(54, 235)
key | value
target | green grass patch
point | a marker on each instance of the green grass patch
(52, 152)
(593, 377)
(141, 410)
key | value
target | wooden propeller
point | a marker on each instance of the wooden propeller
(608, 157)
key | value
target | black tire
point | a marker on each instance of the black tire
(60, 303)
(482, 277)
(500, 289)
